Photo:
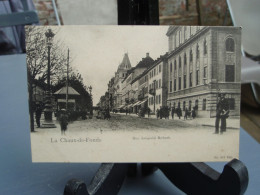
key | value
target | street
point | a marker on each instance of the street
(127, 138)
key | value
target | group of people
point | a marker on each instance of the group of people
(166, 112)
(222, 113)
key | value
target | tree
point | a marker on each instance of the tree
(37, 52)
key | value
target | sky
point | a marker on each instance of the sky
(97, 51)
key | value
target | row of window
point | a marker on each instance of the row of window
(157, 84)
(157, 100)
(179, 34)
(230, 44)
(155, 71)
(173, 84)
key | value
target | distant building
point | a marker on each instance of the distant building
(202, 63)
(120, 75)
(130, 85)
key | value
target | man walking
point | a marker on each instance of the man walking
(173, 111)
(38, 113)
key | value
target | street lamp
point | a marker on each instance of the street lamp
(48, 123)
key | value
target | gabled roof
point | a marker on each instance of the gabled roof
(63, 91)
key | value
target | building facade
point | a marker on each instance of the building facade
(157, 84)
(204, 62)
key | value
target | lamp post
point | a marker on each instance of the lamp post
(48, 123)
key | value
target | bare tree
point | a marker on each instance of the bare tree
(37, 55)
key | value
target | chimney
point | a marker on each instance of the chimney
(147, 54)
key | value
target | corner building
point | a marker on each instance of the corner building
(204, 62)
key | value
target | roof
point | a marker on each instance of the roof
(125, 64)
(63, 91)
(145, 62)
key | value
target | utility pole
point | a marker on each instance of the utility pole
(67, 80)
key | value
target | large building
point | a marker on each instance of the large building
(204, 62)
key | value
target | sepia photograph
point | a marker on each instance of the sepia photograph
(134, 93)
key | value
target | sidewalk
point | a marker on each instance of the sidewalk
(232, 123)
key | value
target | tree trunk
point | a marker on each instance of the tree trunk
(31, 108)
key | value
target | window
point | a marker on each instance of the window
(160, 68)
(205, 47)
(191, 55)
(205, 72)
(197, 52)
(185, 28)
(180, 37)
(196, 104)
(230, 73)
(175, 41)
(180, 62)
(170, 86)
(197, 77)
(230, 45)
(159, 99)
(174, 85)
(171, 67)
(179, 83)
(175, 65)
(231, 102)
(204, 104)
(184, 81)
(185, 59)
(160, 83)
(191, 79)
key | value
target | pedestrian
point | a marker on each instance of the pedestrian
(148, 111)
(161, 112)
(38, 113)
(193, 113)
(179, 112)
(173, 111)
(63, 120)
(186, 113)
(222, 113)
(157, 113)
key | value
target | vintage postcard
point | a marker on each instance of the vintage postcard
(134, 93)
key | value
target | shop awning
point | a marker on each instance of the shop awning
(136, 103)
(120, 106)
(142, 102)
(131, 105)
